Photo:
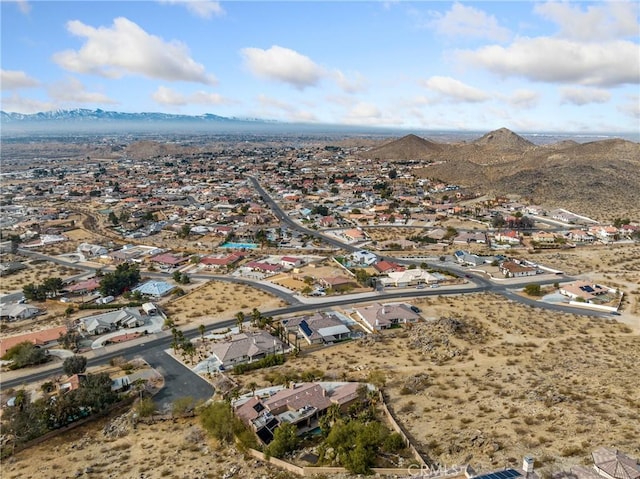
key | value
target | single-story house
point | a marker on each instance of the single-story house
(16, 311)
(157, 289)
(84, 287)
(510, 237)
(386, 267)
(43, 338)
(112, 320)
(364, 257)
(511, 269)
(318, 328)
(221, 261)
(409, 277)
(338, 283)
(91, 249)
(585, 291)
(246, 348)
(169, 260)
(383, 316)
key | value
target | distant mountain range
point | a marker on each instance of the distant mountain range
(81, 114)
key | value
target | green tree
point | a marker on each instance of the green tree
(75, 364)
(53, 286)
(285, 439)
(124, 277)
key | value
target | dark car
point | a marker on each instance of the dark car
(415, 309)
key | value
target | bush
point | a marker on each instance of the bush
(266, 362)
(145, 407)
(25, 354)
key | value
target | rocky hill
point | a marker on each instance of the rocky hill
(410, 147)
(599, 179)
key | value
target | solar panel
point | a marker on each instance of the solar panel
(305, 328)
(506, 474)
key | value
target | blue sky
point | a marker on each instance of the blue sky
(529, 66)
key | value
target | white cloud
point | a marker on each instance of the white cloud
(465, 21)
(455, 90)
(363, 114)
(356, 84)
(16, 79)
(284, 65)
(200, 8)
(125, 48)
(273, 108)
(556, 60)
(72, 90)
(23, 5)
(524, 98)
(584, 96)
(611, 20)
(167, 96)
(631, 107)
(18, 104)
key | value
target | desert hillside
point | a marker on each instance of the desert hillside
(598, 179)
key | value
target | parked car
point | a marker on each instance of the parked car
(415, 309)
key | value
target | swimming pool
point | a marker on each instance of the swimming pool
(239, 245)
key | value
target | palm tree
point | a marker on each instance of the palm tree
(239, 320)
(252, 386)
(256, 316)
(201, 329)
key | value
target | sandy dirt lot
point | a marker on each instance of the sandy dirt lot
(176, 449)
(36, 272)
(219, 300)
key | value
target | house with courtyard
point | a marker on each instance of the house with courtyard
(588, 292)
(300, 404)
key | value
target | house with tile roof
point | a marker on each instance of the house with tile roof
(608, 463)
(300, 404)
(246, 348)
(42, 339)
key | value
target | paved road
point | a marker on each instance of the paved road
(152, 347)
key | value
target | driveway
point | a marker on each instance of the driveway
(154, 325)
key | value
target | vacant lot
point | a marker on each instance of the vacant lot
(36, 272)
(219, 300)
